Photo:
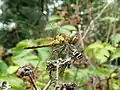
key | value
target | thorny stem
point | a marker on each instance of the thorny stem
(93, 21)
(48, 85)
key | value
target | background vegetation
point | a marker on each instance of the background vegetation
(35, 22)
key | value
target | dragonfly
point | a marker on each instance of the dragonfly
(67, 42)
(60, 39)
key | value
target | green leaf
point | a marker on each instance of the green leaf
(91, 49)
(51, 26)
(21, 54)
(15, 83)
(115, 86)
(63, 31)
(102, 55)
(69, 27)
(3, 67)
(55, 18)
(97, 44)
(116, 54)
(104, 71)
(12, 69)
(109, 47)
(116, 39)
(44, 53)
(68, 74)
(24, 43)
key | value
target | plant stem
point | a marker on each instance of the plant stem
(33, 82)
(48, 85)
(57, 74)
(110, 28)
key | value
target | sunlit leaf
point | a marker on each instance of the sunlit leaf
(69, 27)
(102, 55)
(12, 69)
(116, 86)
(109, 47)
(97, 44)
(63, 31)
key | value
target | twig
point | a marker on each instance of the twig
(48, 85)
(57, 74)
(33, 82)
(93, 21)
(80, 36)
(79, 27)
(77, 4)
(89, 9)
(109, 31)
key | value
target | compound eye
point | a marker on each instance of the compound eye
(21, 71)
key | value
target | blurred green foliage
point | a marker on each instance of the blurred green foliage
(102, 44)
